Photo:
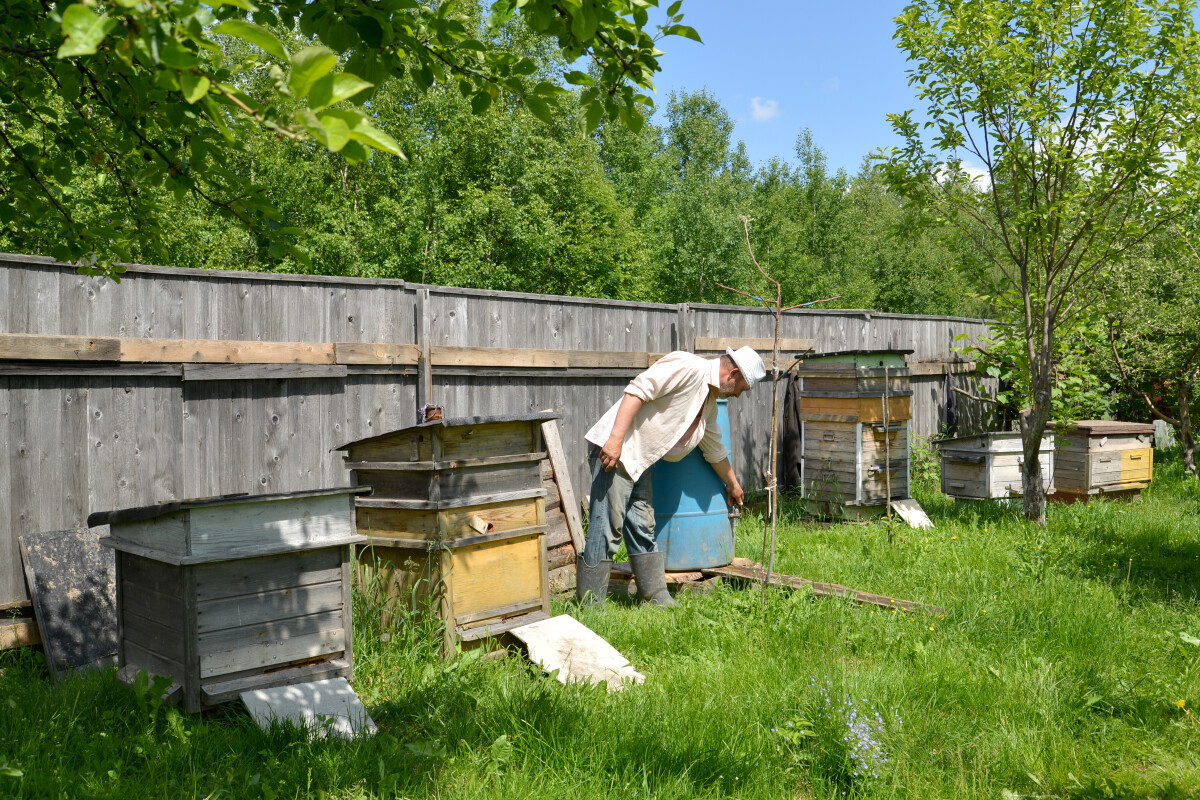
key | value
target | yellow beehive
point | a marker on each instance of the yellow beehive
(1103, 457)
(456, 521)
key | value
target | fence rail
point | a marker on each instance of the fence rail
(201, 382)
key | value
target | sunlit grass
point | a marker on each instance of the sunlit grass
(1059, 664)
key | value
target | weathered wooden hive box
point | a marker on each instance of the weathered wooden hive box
(848, 447)
(456, 521)
(1103, 457)
(987, 466)
(230, 594)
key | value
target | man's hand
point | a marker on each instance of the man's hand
(610, 454)
(733, 489)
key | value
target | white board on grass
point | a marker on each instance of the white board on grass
(328, 707)
(565, 644)
(911, 512)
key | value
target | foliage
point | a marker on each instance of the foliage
(1050, 672)
(839, 738)
(144, 95)
(1079, 389)
(1153, 318)
(1083, 115)
(495, 198)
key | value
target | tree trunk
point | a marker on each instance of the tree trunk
(1033, 427)
(1186, 436)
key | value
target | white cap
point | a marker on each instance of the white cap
(749, 363)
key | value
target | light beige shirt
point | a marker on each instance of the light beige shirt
(673, 391)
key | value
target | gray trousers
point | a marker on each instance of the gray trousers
(620, 506)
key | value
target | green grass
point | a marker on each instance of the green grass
(1057, 671)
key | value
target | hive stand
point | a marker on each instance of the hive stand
(231, 594)
(456, 522)
(843, 430)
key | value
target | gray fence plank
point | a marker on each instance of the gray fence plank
(12, 577)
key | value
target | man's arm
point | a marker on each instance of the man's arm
(610, 454)
(724, 471)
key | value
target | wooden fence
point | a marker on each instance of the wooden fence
(180, 383)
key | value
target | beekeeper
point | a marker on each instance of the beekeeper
(665, 412)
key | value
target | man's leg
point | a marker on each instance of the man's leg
(609, 497)
(644, 556)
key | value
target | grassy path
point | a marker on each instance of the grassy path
(1058, 670)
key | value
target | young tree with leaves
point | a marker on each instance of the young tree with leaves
(142, 90)
(1154, 329)
(1084, 117)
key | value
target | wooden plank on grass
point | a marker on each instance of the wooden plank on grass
(717, 344)
(47, 347)
(562, 477)
(18, 633)
(756, 573)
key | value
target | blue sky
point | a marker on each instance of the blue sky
(779, 67)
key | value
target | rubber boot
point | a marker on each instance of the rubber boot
(591, 583)
(651, 578)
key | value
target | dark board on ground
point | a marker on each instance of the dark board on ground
(71, 580)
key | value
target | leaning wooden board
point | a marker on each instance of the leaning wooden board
(1103, 457)
(72, 582)
(236, 593)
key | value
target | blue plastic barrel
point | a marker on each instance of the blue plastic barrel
(691, 511)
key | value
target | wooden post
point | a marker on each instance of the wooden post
(683, 327)
(887, 452)
(424, 366)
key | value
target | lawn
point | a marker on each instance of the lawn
(1067, 665)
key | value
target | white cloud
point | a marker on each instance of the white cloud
(977, 176)
(831, 85)
(763, 110)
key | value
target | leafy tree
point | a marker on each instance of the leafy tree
(692, 237)
(142, 93)
(913, 269)
(1154, 329)
(1084, 116)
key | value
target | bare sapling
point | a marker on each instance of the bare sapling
(769, 472)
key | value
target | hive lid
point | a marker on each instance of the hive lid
(141, 513)
(815, 356)
(993, 438)
(980, 435)
(1106, 426)
(855, 363)
(456, 422)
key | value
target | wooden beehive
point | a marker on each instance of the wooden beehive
(231, 594)
(988, 465)
(1106, 457)
(844, 452)
(456, 521)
